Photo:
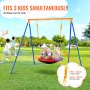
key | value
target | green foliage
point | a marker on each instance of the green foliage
(40, 41)
(84, 43)
(2, 42)
(73, 42)
(18, 39)
(43, 37)
(60, 40)
(26, 43)
(36, 41)
(86, 33)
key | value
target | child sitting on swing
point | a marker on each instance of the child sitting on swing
(46, 53)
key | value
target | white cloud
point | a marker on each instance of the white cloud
(79, 29)
(15, 8)
(71, 75)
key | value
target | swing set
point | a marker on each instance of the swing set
(47, 61)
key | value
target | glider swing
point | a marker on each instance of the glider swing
(47, 60)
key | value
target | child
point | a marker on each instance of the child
(57, 52)
(13, 43)
(47, 54)
(6, 51)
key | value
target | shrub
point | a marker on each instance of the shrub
(84, 43)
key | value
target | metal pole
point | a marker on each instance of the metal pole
(31, 44)
(77, 45)
(69, 44)
(18, 50)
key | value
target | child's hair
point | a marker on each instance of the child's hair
(7, 40)
(13, 38)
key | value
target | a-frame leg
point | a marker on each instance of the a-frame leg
(18, 50)
(31, 43)
(72, 27)
(69, 43)
(76, 45)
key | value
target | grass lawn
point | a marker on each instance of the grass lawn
(27, 76)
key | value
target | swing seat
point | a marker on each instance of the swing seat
(49, 61)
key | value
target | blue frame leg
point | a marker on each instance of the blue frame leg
(31, 44)
(18, 50)
(77, 45)
(69, 44)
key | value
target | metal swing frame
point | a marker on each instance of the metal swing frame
(42, 19)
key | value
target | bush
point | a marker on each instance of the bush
(60, 40)
(84, 43)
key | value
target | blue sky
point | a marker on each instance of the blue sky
(78, 10)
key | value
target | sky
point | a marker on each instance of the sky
(79, 10)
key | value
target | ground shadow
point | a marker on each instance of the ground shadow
(44, 71)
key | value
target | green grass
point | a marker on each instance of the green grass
(27, 76)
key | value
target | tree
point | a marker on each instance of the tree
(35, 40)
(86, 33)
(2, 42)
(43, 37)
(59, 39)
(73, 40)
(40, 41)
(18, 39)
